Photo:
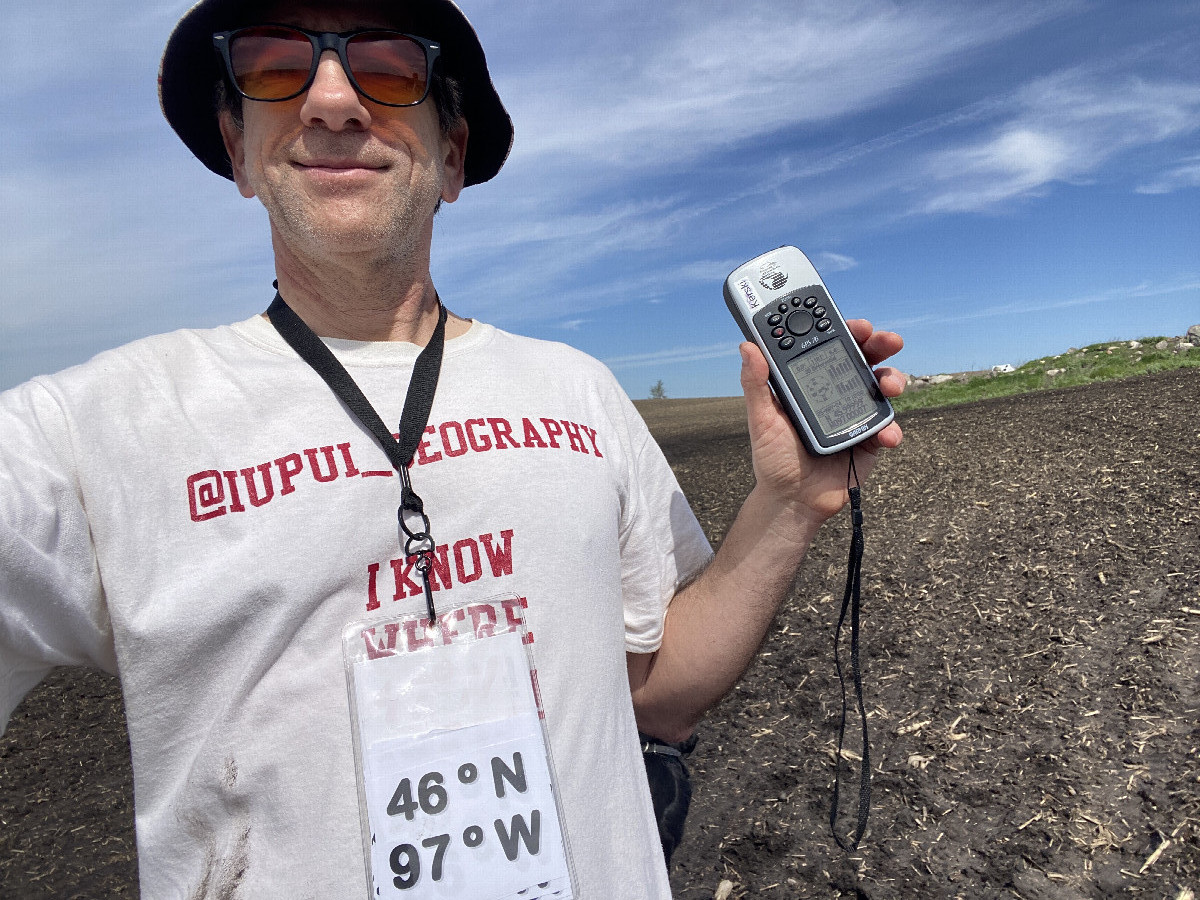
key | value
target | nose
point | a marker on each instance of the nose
(332, 101)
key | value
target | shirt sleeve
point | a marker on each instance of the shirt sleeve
(662, 544)
(52, 609)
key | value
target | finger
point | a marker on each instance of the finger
(887, 439)
(881, 345)
(861, 329)
(891, 381)
(754, 367)
(764, 416)
(876, 345)
(754, 378)
(890, 437)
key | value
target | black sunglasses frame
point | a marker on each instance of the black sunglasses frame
(322, 41)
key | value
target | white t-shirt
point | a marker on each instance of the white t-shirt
(198, 513)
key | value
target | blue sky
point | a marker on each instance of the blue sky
(997, 181)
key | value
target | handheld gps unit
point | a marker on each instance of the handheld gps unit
(818, 372)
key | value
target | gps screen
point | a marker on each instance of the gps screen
(832, 386)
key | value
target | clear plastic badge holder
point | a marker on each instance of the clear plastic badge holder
(455, 779)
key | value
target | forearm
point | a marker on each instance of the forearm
(716, 624)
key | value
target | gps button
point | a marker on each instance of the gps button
(800, 322)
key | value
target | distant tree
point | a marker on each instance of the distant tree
(658, 392)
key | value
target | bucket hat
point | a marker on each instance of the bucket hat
(190, 70)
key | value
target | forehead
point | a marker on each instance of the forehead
(336, 16)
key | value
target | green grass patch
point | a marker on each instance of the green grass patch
(1098, 362)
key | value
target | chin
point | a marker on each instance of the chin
(351, 222)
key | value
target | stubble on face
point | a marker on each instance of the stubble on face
(329, 212)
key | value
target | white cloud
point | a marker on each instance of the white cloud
(672, 356)
(1061, 128)
(1185, 175)
(706, 271)
(1189, 284)
(835, 262)
(1011, 164)
(699, 83)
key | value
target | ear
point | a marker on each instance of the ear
(454, 147)
(235, 146)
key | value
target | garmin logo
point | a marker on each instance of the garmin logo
(747, 290)
(859, 430)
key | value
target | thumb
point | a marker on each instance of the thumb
(754, 369)
(760, 402)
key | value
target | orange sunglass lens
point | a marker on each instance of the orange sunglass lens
(271, 63)
(388, 69)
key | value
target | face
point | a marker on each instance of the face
(338, 172)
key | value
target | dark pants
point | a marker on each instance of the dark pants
(670, 787)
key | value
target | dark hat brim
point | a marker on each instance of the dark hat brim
(190, 70)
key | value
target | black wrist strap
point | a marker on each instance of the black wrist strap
(415, 416)
(851, 602)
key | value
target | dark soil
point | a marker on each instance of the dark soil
(1031, 603)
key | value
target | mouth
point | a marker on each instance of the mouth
(333, 164)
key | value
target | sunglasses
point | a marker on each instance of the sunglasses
(279, 62)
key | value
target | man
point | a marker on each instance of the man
(202, 514)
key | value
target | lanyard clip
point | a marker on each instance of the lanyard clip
(424, 563)
(411, 504)
(420, 544)
(420, 541)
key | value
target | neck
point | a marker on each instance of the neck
(363, 300)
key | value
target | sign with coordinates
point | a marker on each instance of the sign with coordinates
(454, 771)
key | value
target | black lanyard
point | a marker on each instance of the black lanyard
(417, 404)
(851, 601)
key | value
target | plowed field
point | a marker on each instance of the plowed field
(1031, 609)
